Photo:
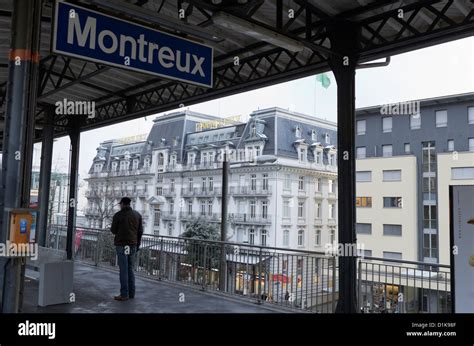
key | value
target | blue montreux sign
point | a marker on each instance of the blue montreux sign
(90, 35)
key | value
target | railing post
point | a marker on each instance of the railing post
(334, 261)
(160, 262)
(359, 284)
(204, 277)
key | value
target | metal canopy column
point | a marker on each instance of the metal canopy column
(45, 176)
(344, 37)
(19, 129)
(74, 135)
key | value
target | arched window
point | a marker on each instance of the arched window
(161, 159)
(263, 237)
(301, 237)
(298, 132)
(251, 236)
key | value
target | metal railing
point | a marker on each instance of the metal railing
(251, 190)
(296, 279)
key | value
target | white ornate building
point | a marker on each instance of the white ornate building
(175, 175)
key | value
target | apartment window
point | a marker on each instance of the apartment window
(363, 228)
(263, 237)
(209, 207)
(392, 175)
(392, 255)
(319, 157)
(407, 148)
(157, 216)
(387, 150)
(332, 236)
(450, 144)
(364, 202)
(363, 176)
(172, 185)
(190, 207)
(395, 230)
(253, 182)
(190, 184)
(429, 217)
(298, 132)
(415, 121)
(318, 184)
(460, 173)
(265, 181)
(430, 245)
(211, 183)
(300, 209)
(314, 136)
(361, 127)
(264, 209)
(470, 115)
(253, 209)
(253, 130)
(159, 190)
(428, 156)
(392, 202)
(302, 155)
(301, 237)
(171, 207)
(317, 237)
(301, 183)
(286, 208)
(203, 184)
(170, 229)
(287, 183)
(361, 152)
(441, 118)
(251, 236)
(332, 211)
(257, 151)
(331, 186)
(367, 253)
(203, 208)
(326, 138)
(286, 237)
(471, 144)
(317, 210)
(145, 183)
(332, 159)
(387, 124)
(159, 179)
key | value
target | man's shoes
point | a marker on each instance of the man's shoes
(121, 298)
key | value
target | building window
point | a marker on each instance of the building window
(190, 207)
(387, 150)
(203, 184)
(415, 121)
(471, 144)
(171, 207)
(363, 228)
(363, 176)
(470, 115)
(395, 230)
(302, 154)
(392, 202)
(450, 144)
(441, 118)
(161, 159)
(318, 185)
(361, 127)
(253, 209)
(326, 138)
(392, 255)
(301, 183)
(286, 208)
(331, 186)
(332, 211)
(298, 132)
(265, 181)
(428, 157)
(332, 236)
(460, 173)
(157, 216)
(287, 183)
(159, 178)
(253, 130)
(317, 210)
(263, 237)
(319, 157)
(314, 136)
(209, 207)
(300, 209)
(360, 152)
(301, 237)
(286, 237)
(190, 184)
(317, 237)
(429, 217)
(332, 159)
(251, 236)
(392, 175)
(211, 183)
(172, 185)
(257, 151)
(364, 202)
(203, 208)
(387, 124)
(253, 182)
(170, 229)
(264, 209)
(407, 148)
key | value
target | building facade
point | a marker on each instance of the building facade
(282, 187)
(408, 154)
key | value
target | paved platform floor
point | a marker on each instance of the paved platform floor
(95, 287)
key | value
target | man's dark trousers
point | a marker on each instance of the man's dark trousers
(126, 260)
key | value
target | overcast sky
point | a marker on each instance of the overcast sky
(436, 71)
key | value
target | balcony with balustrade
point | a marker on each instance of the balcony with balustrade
(250, 219)
(257, 190)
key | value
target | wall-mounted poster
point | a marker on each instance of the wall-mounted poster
(462, 247)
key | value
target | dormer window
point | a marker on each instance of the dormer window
(173, 160)
(191, 158)
(326, 138)
(314, 136)
(253, 130)
(302, 154)
(161, 159)
(298, 132)
(135, 163)
(114, 166)
(146, 163)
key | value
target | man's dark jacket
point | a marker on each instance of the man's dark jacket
(127, 227)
